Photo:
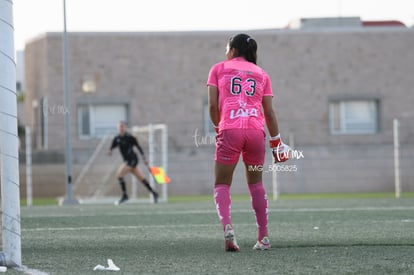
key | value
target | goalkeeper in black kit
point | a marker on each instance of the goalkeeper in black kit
(126, 143)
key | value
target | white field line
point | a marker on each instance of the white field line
(183, 212)
(338, 209)
(164, 226)
(210, 211)
(31, 271)
(122, 227)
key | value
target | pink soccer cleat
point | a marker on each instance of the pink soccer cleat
(264, 244)
(230, 240)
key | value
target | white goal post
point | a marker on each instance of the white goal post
(156, 136)
(9, 142)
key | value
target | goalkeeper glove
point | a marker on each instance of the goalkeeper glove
(279, 149)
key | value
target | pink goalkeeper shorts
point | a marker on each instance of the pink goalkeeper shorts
(233, 142)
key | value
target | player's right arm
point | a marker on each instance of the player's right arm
(213, 106)
(213, 100)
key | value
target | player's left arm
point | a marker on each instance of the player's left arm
(270, 116)
(136, 143)
(279, 149)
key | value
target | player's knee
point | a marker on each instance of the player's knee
(226, 179)
(254, 176)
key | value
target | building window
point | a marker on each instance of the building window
(353, 117)
(97, 120)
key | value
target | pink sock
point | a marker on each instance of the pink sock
(223, 203)
(259, 205)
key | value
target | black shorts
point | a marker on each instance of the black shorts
(132, 161)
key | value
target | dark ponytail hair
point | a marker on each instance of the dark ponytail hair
(245, 46)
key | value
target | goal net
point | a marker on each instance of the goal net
(153, 139)
(96, 182)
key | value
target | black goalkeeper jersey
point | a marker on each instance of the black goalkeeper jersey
(126, 145)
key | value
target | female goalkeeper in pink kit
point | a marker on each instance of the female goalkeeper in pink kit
(240, 104)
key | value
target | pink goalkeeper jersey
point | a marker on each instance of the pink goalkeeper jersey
(241, 86)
